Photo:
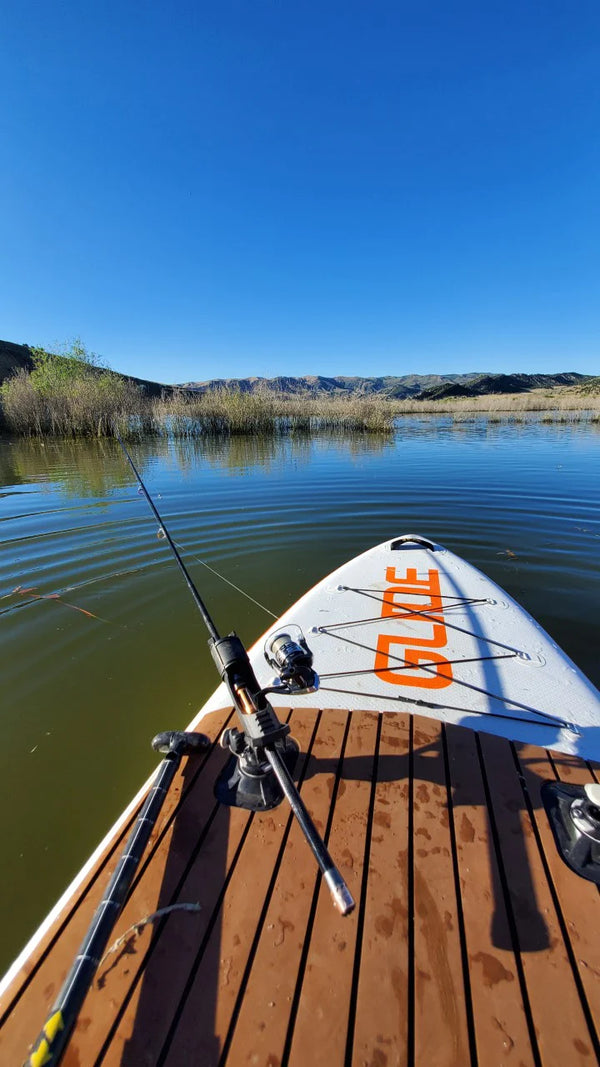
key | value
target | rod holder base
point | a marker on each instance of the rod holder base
(251, 784)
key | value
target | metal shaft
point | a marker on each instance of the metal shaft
(342, 898)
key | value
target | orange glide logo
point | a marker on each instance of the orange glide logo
(407, 652)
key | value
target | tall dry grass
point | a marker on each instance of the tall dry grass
(227, 411)
(86, 406)
(566, 404)
(77, 402)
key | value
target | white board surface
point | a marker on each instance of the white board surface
(407, 627)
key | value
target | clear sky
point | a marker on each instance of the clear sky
(206, 189)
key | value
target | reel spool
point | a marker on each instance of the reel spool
(287, 652)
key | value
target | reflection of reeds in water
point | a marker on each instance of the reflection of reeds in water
(95, 467)
(233, 454)
(79, 467)
(88, 467)
(242, 452)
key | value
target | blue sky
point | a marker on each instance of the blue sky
(213, 189)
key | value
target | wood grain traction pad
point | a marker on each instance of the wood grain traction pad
(471, 943)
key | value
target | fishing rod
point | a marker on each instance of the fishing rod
(260, 748)
(260, 752)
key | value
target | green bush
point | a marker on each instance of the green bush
(70, 394)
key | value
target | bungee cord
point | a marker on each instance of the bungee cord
(417, 702)
(458, 681)
(411, 666)
(410, 613)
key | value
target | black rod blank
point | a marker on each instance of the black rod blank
(190, 584)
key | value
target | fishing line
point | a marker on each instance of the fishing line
(224, 579)
(210, 626)
(120, 574)
(174, 545)
(56, 597)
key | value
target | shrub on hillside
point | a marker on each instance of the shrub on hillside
(70, 394)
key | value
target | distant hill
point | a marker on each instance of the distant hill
(591, 385)
(416, 386)
(405, 385)
(486, 384)
(12, 358)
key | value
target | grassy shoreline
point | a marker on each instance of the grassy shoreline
(567, 400)
(92, 405)
(71, 398)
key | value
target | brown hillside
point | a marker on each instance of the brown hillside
(17, 357)
(12, 358)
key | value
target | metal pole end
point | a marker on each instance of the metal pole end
(342, 897)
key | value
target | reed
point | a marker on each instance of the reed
(71, 395)
(232, 412)
(79, 407)
(85, 404)
(566, 404)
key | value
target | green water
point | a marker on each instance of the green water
(90, 676)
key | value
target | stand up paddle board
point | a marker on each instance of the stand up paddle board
(446, 750)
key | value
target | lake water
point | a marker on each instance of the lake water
(90, 675)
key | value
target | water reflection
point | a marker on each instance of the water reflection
(75, 467)
(96, 467)
(234, 455)
(492, 427)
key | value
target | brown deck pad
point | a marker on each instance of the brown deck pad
(471, 942)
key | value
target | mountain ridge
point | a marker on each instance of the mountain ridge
(494, 384)
(392, 386)
(14, 357)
